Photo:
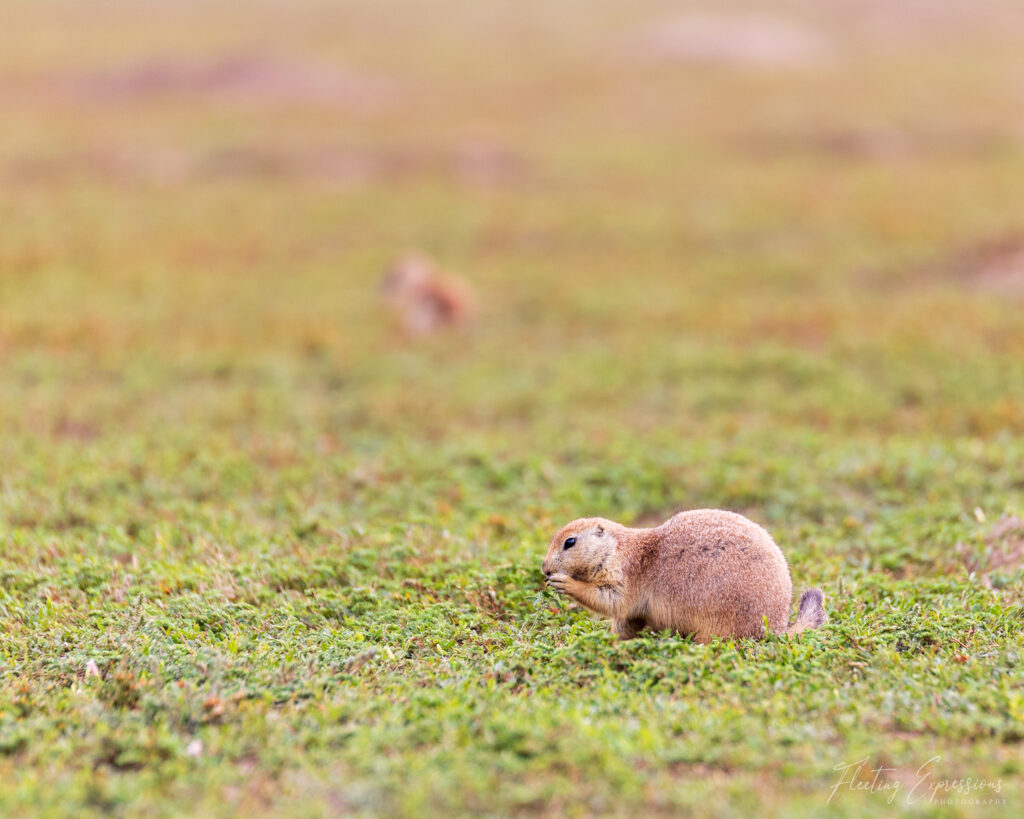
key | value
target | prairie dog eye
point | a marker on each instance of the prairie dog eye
(569, 543)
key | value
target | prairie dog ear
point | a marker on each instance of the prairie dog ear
(600, 530)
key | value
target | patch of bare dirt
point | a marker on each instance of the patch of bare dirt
(990, 266)
(245, 78)
(875, 144)
(475, 164)
(66, 427)
(127, 165)
(756, 41)
(996, 266)
(485, 163)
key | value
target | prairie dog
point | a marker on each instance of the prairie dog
(705, 572)
(423, 299)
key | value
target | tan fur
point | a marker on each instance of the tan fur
(423, 299)
(705, 572)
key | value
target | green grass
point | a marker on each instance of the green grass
(281, 531)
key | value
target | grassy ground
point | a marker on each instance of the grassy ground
(303, 554)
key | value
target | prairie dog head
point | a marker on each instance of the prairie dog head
(581, 549)
(406, 275)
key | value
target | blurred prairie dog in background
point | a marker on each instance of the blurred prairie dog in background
(423, 298)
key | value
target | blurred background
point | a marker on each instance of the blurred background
(642, 195)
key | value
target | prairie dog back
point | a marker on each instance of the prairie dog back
(712, 571)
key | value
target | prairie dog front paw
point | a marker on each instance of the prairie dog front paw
(562, 583)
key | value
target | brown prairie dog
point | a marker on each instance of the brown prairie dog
(705, 572)
(423, 299)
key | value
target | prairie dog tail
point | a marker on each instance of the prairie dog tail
(811, 614)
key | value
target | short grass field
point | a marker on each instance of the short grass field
(261, 555)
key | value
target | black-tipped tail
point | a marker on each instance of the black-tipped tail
(811, 613)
